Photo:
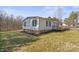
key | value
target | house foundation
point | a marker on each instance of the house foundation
(37, 32)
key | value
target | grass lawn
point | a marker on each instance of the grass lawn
(53, 41)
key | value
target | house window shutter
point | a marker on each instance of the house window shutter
(49, 23)
(46, 23)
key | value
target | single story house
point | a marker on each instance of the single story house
(37, 25)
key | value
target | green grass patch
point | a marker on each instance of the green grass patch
(10, 40)
(50, 42)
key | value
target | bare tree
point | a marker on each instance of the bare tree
(9, 22)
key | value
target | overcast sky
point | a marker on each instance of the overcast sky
(44, 11)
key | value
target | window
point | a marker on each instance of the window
(34, 23)
(24, 23)
(48, 23)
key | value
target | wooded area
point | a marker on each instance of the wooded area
(9, 22)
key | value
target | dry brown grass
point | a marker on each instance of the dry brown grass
(54, 41)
